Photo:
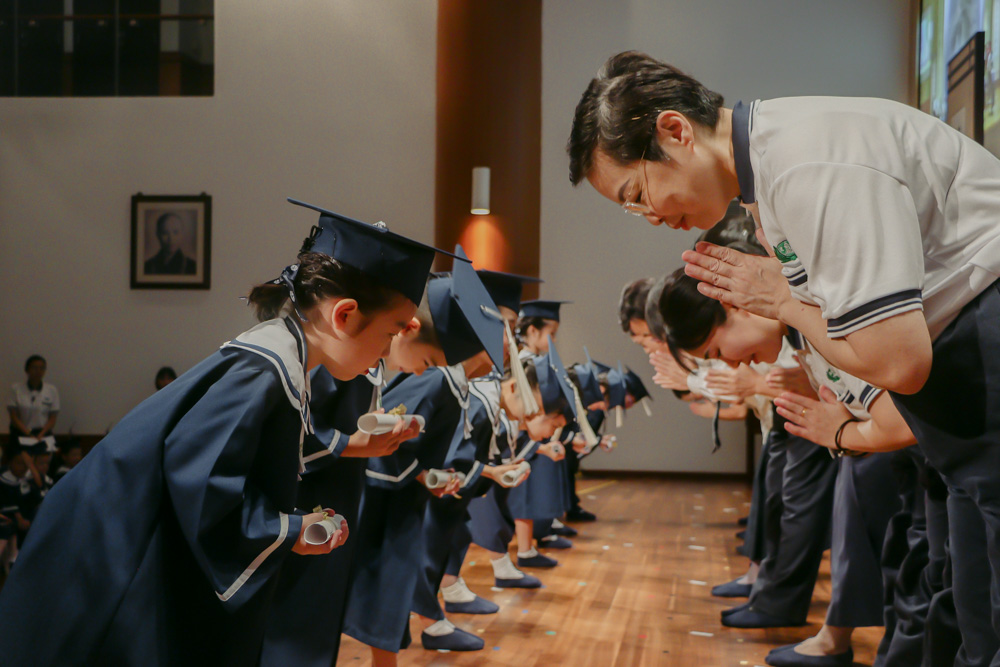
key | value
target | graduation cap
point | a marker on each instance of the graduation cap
(505, 288)
(553, 382)
(465, 318)
(590, 386)
(548, 310)
(616, 385)
(634, 385)
(393, 260)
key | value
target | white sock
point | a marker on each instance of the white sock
(556, 523)
(441, 628)
(503, 568)
(458, 592)
(549, 538)
(530, 553)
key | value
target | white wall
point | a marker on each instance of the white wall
(744, 50)
(330, 101)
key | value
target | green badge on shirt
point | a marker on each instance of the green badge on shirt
(833, 376)
(783, 251)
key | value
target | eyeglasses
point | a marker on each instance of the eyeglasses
(638, 208)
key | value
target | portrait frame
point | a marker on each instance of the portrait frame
(171, 242)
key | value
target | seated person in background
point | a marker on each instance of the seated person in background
(33, 409)
(15, 500)
(69, 456)
(164, 376)
(41, 483)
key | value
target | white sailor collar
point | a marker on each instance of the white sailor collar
(282, 342)
(458, 384)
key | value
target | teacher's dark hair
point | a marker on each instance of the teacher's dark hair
(681, 316)
(320, 277)
(32, 359)
(617, 113)
(632, 302)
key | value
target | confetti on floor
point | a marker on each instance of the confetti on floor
(550, 632)
(628, 544)
(729, 510)
(605, 547)
(495, 589)
(592, 497)
(696, 547)
(696, 633)
(698, 508)
(583, 583)
(697, 583)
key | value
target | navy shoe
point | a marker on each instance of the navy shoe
(743, 520)
(580, 514)
(537, 561)
(565, 531)
(459, 640)
(527, 581)
(733, 610)
(477, 606)
(554, 542)
(751, 618)
(742, 535)
(732, 589)
(785, 656)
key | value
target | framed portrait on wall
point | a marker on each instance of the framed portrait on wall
(171, 241)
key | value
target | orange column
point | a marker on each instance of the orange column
(489, 112)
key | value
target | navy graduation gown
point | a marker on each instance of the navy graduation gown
(389, 527)
(163, 544)
(545, 494)
(444, 516)
(312, 592)
(491, 523)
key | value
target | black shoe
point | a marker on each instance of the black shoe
(565, 531)
(742, 535)
(537, 561)
(527, 581)
(459, 640)
(554, 542)
(732, 589)
(580, 514)
(733, 610)
(785, 656)
(477, 606)
(743, 520)
(752, 618)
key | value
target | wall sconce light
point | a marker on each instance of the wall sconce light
(480, 190)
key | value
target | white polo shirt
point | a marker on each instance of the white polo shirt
(874, 208)
(855, 394)
(34, 407)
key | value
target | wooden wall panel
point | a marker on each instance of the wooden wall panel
(489, 114)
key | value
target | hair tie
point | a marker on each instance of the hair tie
(287, 278)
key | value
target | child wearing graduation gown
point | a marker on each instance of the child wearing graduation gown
(466, 323)
(169, 536)
(446, 536)
(334, 464)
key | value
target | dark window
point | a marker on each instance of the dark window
(106, 48)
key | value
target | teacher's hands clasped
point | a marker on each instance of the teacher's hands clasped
(749, 282)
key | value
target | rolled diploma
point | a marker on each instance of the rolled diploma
(435, 479)
(321, 531)
(512, 477)
(377, 423)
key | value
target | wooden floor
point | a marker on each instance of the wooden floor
(634, 589)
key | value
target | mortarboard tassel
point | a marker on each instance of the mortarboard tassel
(520, 379)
